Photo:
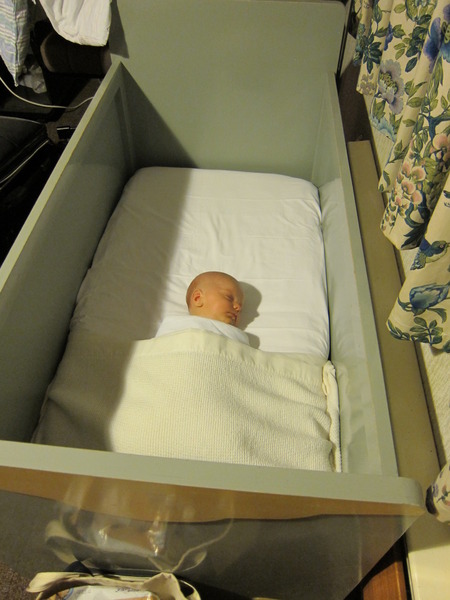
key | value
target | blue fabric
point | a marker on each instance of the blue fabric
(14, 35)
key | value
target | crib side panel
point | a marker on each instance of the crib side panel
(41, 275)
(221, 524)
(240, 83)
(303, 559)
(366, 435)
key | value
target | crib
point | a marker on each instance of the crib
(234, 85)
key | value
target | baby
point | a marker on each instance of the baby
(214, 301)
(215, 295)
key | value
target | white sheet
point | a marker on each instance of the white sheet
(181, 323)
(80, 21)
(194, 395)
(172, 224)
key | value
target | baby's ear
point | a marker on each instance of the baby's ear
(197, 297)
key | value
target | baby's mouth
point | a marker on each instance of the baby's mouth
(233, 317)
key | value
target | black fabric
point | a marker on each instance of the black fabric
(19, 139)
(27, 158)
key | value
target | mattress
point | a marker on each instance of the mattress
(263, 229)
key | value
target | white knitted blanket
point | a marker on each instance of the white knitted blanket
(195, 395)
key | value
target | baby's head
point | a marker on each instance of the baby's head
(215, 295)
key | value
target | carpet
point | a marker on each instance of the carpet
(12, 585)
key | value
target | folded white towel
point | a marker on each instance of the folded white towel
(84, 22)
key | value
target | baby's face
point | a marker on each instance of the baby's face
(223, 302)
(221, 299)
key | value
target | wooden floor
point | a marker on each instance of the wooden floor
(387, 581)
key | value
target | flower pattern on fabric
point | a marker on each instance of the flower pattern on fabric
(438, 496)
(403, 47)
(390, 85)
(421, 311)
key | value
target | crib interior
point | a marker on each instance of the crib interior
(208, 108)
(359, 426)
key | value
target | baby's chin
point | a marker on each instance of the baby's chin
(231, 321)
(228, 319)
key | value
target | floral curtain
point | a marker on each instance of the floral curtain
(403, 47)
(438, 496)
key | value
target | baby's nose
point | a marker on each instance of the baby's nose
(237, 306)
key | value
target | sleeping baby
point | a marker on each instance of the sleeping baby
(214, 300)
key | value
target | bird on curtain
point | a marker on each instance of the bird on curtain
(403, 49)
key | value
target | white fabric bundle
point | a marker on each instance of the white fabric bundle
(80, 21)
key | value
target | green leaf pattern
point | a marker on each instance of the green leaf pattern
(403, 48)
